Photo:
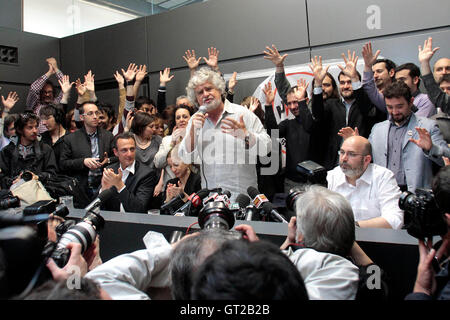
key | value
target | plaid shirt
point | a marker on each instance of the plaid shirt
(33, 99)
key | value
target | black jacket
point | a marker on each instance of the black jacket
(41, 163)
(138, 190)
(57, 146)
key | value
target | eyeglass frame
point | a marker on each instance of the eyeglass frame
(350, 154)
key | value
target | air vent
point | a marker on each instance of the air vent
(9, 55)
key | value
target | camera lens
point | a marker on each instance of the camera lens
(292, 197)
(216, 215)
(27, 176)
(405, 199)
(11, 202)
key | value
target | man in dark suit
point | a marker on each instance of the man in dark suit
(133, 180)
(87, 150)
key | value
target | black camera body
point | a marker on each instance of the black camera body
(422, 216)
(216, 215)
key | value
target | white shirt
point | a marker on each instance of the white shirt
(376, 194)
(224, 161)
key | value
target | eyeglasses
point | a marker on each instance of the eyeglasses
(91, 113)
(350, 154)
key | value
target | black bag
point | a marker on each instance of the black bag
(62, 185)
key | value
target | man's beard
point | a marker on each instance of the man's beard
(212, 105)
(350, 96)
(352, 172)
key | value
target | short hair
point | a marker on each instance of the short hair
(58, 290)
(109, 110)
(53, 110)
(389, 64)
(141, 100)
(68, 122)
(23, 119)
(441, 189)
(54, 88)
(123, 135)
(325, 219)
(445, 78)
(10, 118)
(342, 73)
(81, 108)
(182, 97)
(187, 257)
(201, 76)
(398, 89)
(243, 270)
(140, 121)
(414, 70)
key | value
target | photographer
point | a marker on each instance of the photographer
(431, 283)
(27, 155)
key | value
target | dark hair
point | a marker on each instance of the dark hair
(335, 93)
(445, 78)
(140, 121)
(54, 88)
(123, 135)
(441, 189)
(53, 110)
(23, 119)
(109, 110)
(176, 108)
(342, 74)
(10, 118)
(58, 290)
(243, 270)
(414, 70)
(68, 121)
(389, 64)
(398, 89)
(259, 112)
(81, 108)
(143, 100)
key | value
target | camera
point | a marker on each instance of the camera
(217, 216)
(422, 216)
(292, 196)
(27, 175)
(9, 202)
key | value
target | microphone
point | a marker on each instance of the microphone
(195, 199)
(102, 197)
(261, 202)
(202, 109)
(173, 204)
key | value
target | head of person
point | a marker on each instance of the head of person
(145, 104)
(329, 87)
(107, 118)
(178, 167)
(292, 101)
(243, 270)
(48, 92)
(90, 115)
(409, 73)
(345, 85)
(355, 156)
(27, 128)
(70, 123)
(184, 100)
(444, 84)
(206, 87)
(124, 147)
(399, 101)
(383, 72)
(188, 256)
(181, 115)
(143, 125)
(441, 67)
(441, 191)
(52, 117)
(325, 221)
(259, 112)
(58, 290)
(159, 126)
(8, 125)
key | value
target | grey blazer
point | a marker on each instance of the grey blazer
(416, 163)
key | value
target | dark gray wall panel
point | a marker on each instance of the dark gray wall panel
(237, 28)
(115, 47)
(33, 50)
(22, 91)
(344, 20)
(11, 14)
(72, 56)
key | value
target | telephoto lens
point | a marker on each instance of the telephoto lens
(10, 202)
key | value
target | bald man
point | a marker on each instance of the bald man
(441, 67)
(371, 189)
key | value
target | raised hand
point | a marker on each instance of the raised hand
(89, 81)
(232, 82)
(130, 73)
(213, 58)
(236, 128)
(10, 100)
(164, 77)
(350, 66)
(81, 88)
(300, 91)
(254, 103)
(424, 140)
(52, 62)
(65, 84)
(348, 132)
(141, 73)
(191, 60)
(368, 56)
(427, 52)
(318, 70)
(119, 78)
(273, 55)
(269, 93)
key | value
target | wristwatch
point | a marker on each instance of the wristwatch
(247, 140)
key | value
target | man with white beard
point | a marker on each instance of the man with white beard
(371, 189)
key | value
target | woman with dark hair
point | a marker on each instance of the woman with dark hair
(147, 142)
(181, 116)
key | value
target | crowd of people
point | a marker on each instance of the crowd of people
(376, 134)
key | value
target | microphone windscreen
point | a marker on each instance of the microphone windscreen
(106, 194)
(252, 192)
(202, 109)
(243, 200)
(227, 193)
(203, 193)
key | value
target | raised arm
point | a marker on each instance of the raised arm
(213, 58)
(191, 60)
(36, 87)
(141, 73)
(319, 74)
(231, 85)
(164, 78)
(368, 82)
(122, 94)
(281, 82)
(90, 86)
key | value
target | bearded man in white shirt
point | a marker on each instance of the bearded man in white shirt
(371, 189)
